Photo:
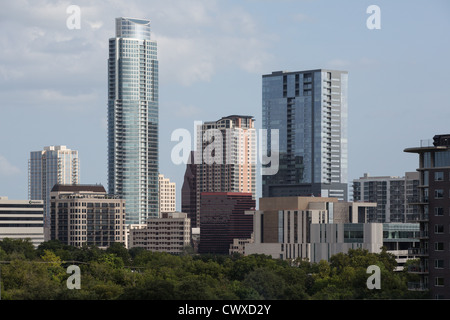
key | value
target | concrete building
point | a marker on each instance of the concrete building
(314, 228)
(86, 214)
(167, 195)
(395, 196)
(171, 233)
(309, 110)
(22, 219)
(223, 219)
(133, 119)
(50, 166)
(399, 238)
(224, 161)
(434, 217)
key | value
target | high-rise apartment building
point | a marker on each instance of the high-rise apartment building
(48, 167)
(434, 206)
(133, 119)
(86, 214)
(225, 161)
(167, 195)
(309, 110)
(395, 196)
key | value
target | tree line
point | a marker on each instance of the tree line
(117, 273)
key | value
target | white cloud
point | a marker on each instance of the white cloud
(196, 39)
(6, 168)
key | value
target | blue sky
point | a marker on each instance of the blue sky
(212, 55)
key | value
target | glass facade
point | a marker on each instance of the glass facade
(309, 108)
(133, 119)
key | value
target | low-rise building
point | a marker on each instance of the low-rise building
(22, 219)
(171, 233)
(314, 228)
(86, 214)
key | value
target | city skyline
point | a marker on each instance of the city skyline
(212, 56)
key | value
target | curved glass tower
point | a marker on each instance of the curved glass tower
(133, 119)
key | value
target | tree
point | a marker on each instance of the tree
(120, 251)
(18, 248)
(266, 282)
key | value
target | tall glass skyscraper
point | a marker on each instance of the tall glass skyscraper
(309, 108)
(133, 119)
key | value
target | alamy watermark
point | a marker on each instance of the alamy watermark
(374, 20)
(214, 151)
(74, 280)
(374, 281)
(74, 19)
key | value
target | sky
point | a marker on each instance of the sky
(212, 55)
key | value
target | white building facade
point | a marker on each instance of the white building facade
(167, 195)
(22, 219)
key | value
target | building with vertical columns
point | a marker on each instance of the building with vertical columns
(309, 110)
(167, 195)
(48, 167)
(434, 217)
(133, 119)
(86, 214)
(395, 196)
(312, 228)
(225, 161)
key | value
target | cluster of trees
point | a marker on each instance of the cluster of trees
(121, 274)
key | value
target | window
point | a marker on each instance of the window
(425, 178)
(438, 193)
(439, 281)
(438, 246)
(438, 228)
(438, 211)
(439, 176)
(438, 264)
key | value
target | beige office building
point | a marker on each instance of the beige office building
(314, 228)
(167, 195)
(86, 214)
(171, 233)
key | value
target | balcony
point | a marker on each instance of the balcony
(417, 269)
(417, 286)
(423, 235)
(417, 252)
